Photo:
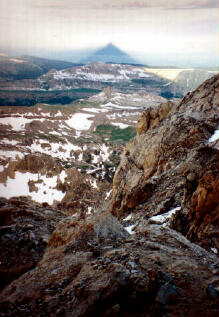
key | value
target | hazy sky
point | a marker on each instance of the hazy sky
(172, 30)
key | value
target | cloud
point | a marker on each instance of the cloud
(122, 4)
(169, 4)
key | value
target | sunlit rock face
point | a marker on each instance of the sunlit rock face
(173, 162)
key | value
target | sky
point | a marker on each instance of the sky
(183, 32)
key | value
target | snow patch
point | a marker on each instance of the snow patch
(94, 110)
(11, 155)
(161, 219)
(46, 188)
(129, 217)
(79, 121)
(17, 123)
(214, 136)
(108, 194)
(94, 183)
(129, 229)
(11, 142)
(214, 250)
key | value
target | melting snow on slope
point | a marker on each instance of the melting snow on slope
(79, 121)
(105, 152)
(58, 150)
(10, 142)
(214, 250)
(17, 123)
(10, 154)
(129, 217)
(160, 219)
(129, 229)
(214, 137)
(94, 183)
(108, 194)
(62, 176)
(46, 189)
(95, 110)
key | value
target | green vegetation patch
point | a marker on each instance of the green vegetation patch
(114, 133)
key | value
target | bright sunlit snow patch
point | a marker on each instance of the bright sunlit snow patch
(46, 191)
(89, 210)
(58, 114)
(214, 137)
(17, 123)
(129, 217)
(11, 154)
(94, 110)
(214, 250)
(94, 183)
(62, 176)
(108, 194)
(79, 121)
(10, 142)
(129, 229)
(160, 219)
(60, 150)
(105, 152)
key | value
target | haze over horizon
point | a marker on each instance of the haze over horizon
(155, 32)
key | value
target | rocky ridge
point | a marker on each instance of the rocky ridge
(127, 259)
(171, 162)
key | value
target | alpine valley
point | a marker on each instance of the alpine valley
(109, 188)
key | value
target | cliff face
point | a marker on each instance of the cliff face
(97, 266)
(171, 163)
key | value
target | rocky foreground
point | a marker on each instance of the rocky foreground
(150, 251)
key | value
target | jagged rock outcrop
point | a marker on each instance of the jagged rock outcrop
(151, 117)
(165, 165)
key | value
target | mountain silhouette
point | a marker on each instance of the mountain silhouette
(110, 54)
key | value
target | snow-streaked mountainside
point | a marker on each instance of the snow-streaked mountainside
(79, 245)
(87, 135)
(67, 85)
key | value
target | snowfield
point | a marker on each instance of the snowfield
(17, 123)
(79, 121)
(46, 191)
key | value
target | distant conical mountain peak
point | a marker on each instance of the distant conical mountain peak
(110, 54)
